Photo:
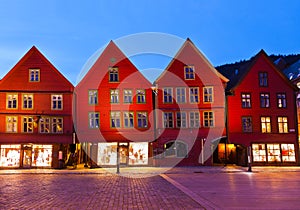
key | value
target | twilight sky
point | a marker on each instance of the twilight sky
(69, 32)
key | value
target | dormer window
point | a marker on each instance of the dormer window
(34, 75)
(189, 72)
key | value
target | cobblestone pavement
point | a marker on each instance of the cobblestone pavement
(90, 191)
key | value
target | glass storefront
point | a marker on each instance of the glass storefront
(273, 153)
(107, 154)
(10, 155)
(26, 155)
(138, 153)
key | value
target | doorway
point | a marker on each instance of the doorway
(123, 150)
(27, 156)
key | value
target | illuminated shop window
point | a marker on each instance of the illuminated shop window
(141, 96)
(94, 119)
(27, 101)
(282, 124)
(114, 96)
(12, 101)
(259, 152)
(142, 119)
(281, 100)
(194, 94)
(10, 155)
(208, 119)
(208, 95)
(12, 124)
(180, 95)
(189, 73)
(288, 152)
(168, 95)
(273, 153)
(181, 120)
(128, 119)
(127, 94)
(56, 102)
(265, 124)
(194, 119)
(138, 153)
(93, 97)
(34, 75)
(107, 154)
(176, 149)
(27, 124)
(41, 155)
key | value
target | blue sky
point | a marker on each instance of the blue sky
(68, 33)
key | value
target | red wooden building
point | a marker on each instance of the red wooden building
(35, 114)
(190, 110)
(114, 111)
(261, 114)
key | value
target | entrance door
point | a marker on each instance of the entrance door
(27, 157)
(123, 153)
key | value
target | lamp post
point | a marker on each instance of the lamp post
(118, 158)
(249, 159)
(154, 95)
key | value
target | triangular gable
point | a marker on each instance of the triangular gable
(244, 70)
(188, 43)
(50, 78)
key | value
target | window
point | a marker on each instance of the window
(27, 101)
(263, 79)
(247, 124)
(113, 74)
(282, 124)
(189, 72)
(281, 100)
(168, 120)
(141, 96)
(94, 119)
(180, 95)
(208, 95)
(115, 119)
(93, 97)
(194, 95)
(44, 125)
(12, 101)
(208, 119)
(181, 119)
(142, 119)
(128, 96)
(259, 153)
(57, 102)
(57, 125)
(11, 124)
(27, 124)
(264, 100)
(273, 153)
(168, 95)
(128, 119)
(114, 96)
(265, 124)
(246, 100)
(176, 149)
(34, 75)
(288, 152)
(194, 120)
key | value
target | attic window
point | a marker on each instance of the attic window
(263, 79)
(189, 72)
(34, 75)
(113, 74)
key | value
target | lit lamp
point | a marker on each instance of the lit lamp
(36, 120)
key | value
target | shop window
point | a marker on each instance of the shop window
(259, 153)
(194, 120)
(273, 153)
(10, 155)
(138, 153)
(208, 95)
(176, 149)
(107, 154)
(141, 96)
(194, 94)
(93, 97)
(41, 155)
(57, 102)
(288, 152)
(180, 95)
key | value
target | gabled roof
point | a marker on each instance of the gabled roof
(34, 59)
(237, 72)
(186, 44)
(293, 71)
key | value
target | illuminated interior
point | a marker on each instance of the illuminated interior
(10, 155)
